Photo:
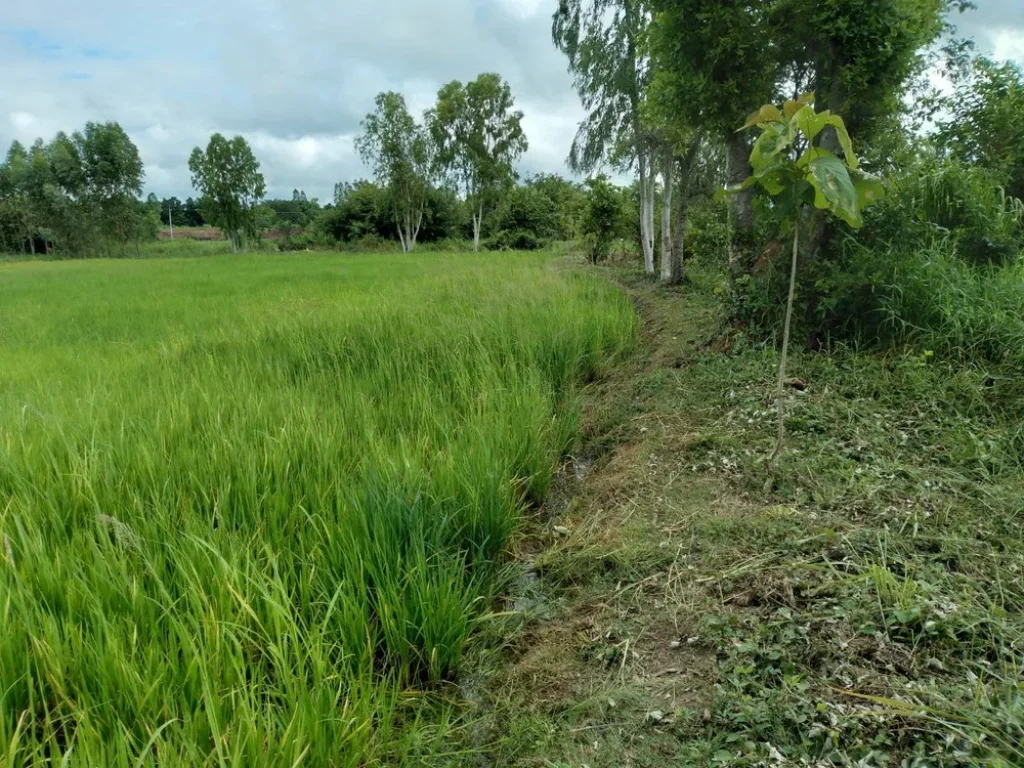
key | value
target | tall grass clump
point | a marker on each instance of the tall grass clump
(251, 507)
(938, 301)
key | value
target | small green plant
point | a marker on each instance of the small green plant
(798, 172)
(601, 217)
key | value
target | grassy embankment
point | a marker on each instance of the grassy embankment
(867, 609)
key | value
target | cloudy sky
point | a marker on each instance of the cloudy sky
(295, 77)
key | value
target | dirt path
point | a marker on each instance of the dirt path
(610, 643)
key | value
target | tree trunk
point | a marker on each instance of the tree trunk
(684, 185)
(651, 231)
(741, 206)
(646, 213)
(669, 268)
(785, 350)
(478, 218)
(679, 239)
(419, 223)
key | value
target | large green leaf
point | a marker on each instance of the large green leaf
(832, 182)
(870, 188)
(769, 113)
(792, 198)
(769, 145)
(773, 180)
(844, 139)
(810, 122)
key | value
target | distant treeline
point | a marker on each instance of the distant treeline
(450, 176)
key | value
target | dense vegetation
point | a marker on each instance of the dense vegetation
(78, 193)
(248, 501)
(253, 509)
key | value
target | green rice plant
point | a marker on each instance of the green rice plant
(253, 507)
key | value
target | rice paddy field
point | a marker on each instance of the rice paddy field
(253, 508)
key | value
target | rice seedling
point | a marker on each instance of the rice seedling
(252, 506)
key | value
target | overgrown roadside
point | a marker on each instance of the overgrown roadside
(866, 611)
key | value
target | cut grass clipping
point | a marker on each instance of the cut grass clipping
(251, 507)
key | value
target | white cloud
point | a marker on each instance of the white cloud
(296, 76)
(1009, 44)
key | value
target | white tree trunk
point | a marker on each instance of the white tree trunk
(668, 260)
(478, 219)
(416, 229)
(401, 236)
(646, 213)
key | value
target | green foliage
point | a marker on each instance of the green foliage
(402, 154)
(526, 220)
(707, 233)
(569, 200)
(795, 171)
(287, 479)
(187, 214)
(364, 209)
(711, 61)
(227, 176)
(603, 41)
(602, 218)
(360, 208)
(858, 55)
(937, 265)
(296, 213)
(479, 139)
(960, 201)
(986, 121)
(75, 195)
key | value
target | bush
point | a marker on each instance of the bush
(937, 263)
(515, 240)
(602, 217)
(303, 241)
(986, 226)
(525, 213)
(707, 233)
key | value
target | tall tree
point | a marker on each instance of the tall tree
(14, 196)
(605, 42)
(74, 219)
(714, 60)
(113, 173)
(402, 155)
(856, 57)
(479, 138)
(41, 199)
(228, 177)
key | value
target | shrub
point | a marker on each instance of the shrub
(602, 217)
(514, 240)
(527, 213)
(302, 241)
(707, 232)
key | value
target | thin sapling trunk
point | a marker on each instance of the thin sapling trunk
(785, 350)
